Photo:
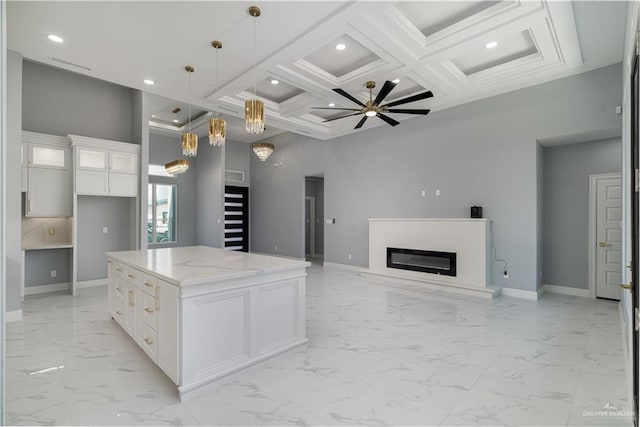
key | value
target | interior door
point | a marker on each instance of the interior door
(236, 218)
(635, 218)
(609, 237)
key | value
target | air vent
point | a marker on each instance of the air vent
(62, 61)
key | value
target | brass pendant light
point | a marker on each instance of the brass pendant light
(217, 126)
(262, 149)
(254, 108)
(189, 139)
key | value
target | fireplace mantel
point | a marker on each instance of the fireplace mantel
(468, 238)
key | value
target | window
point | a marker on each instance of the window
(161, 217)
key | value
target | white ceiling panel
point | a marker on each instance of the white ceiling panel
(340, 62)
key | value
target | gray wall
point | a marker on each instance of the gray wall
(60, 102)
(42, 262)
(163, 149)
(97, 212)
(566, 206)
(209, 168)
(237, 157)
(13, 255)
(482, 153)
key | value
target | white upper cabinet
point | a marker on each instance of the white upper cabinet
(48, 156)
(105, 168)
(89, 158)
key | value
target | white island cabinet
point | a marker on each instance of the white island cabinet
(202, 313)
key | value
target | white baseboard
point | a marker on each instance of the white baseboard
(43, 289)
(566, 290)
(91, 283)
(344, 267)
(13, 316)
(519, 293)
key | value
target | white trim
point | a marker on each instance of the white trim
(43, 289)
(628, 358)
(519, 293)
(312, 223)
(13, 316)
(593, 188)
(567, 290)
(91, 283)
(343, 267)
(104, 144)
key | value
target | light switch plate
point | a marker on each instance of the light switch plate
(105, 230)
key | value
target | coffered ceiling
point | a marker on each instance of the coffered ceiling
(429, 45)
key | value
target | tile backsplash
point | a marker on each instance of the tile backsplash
(38, 231)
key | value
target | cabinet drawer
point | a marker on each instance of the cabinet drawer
(149, 285)
(119, 270)
(91, 182)
(150, 311)
(117, 310)
(133, 276)
(149, 342)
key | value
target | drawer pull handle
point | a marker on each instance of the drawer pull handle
(148, 341)
(118, 288)
(118, 312)
(118, 269)
(131, 276)
(148, 309)
(148, 285)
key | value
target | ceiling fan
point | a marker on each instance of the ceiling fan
(373, 107)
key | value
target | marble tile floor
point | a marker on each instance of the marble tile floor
(378, 355)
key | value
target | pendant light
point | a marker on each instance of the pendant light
(177, 166)
(189, 139)
(262, 149)
(254, 108)
(217, 126)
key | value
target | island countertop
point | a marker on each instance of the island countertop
(193, 265)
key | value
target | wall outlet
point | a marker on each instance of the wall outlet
(350, 256)
(52, 231)
(276, 248)
(423, 193)
(437, 192)
(53, 273)
(105, 230)
(505, 274)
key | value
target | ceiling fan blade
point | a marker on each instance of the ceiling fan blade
(349, 97)
(406, 111)
(418, 97)
(361, 122)
(388, 87)
(388, 119)
(335, 108)
(341, 117)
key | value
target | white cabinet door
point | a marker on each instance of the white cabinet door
(48, 156)
(168, 327)
(123, 184)
(123, 162)
(91, 182)
(49, 193)
(132, 321)
(91, 158)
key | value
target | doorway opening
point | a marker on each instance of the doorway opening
(314, 218)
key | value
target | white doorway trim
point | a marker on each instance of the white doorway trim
(593, 185)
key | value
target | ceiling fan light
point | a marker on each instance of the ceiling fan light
(217, 132)
(263, 150)
(370, 113)
(189, 144)
(254, 116)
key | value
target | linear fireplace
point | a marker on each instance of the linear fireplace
(443, 263)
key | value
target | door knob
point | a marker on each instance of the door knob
(602, 244)
(627, 286)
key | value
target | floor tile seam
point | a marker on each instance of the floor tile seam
(453, 408)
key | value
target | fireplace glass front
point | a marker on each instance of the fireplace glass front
(419, 260)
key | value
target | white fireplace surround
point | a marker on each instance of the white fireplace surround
(468, 238)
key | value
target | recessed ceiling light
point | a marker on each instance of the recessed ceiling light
(396, 81)
(149, 82)
(341, 46)
(176, 121)
(332, 105)
(491, 45)
(55, 38)
(275, 82)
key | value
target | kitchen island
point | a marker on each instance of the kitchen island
(202, 313)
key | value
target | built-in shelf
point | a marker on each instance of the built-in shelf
(51, 246)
